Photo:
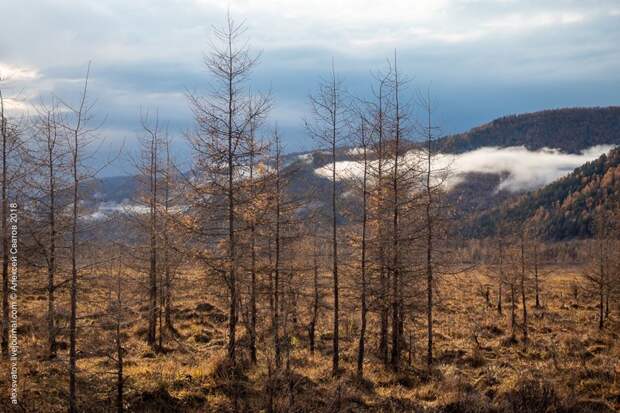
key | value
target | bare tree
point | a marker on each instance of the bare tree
(433, 180)
(329, 128)
(223, 120)
(254, 202)
(151, 143)
(118, 314)
(78, 136)
(48, 160)
(396, 298)
(523, 275)
(316, 297)
(364, 141)
(11, 144)
(597, 273)
(501, 276)
(5, 236)
(378, 108)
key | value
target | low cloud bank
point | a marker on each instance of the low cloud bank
(525, 169)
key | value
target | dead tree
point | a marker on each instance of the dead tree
(501, 272)
(78, 136)
(433, 180)
(278, 252)
(151, 148)
(328, 128)
(119, 321)
(378, 108)
(536, 271)
(48, 163)
(512, 276)
(253, 285)
(222, 121)
(597, 273)
(396, 298)
(9, 134)
(168, 182)
(315, 292)
(5, 236)
(523, 273)
(254, 209)
(364, 141)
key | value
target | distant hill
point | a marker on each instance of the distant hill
(563, 209)
(570, 130)
(477, 194)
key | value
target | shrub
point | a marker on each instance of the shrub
(530, 395)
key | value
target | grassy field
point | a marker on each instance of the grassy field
(568, 364)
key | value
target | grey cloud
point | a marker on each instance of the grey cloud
(482, 59)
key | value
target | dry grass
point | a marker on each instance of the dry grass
(567, 366)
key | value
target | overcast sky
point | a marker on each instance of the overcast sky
(481, 58)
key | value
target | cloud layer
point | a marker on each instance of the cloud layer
(524, 169)
(482, 58)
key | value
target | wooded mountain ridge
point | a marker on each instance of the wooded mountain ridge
(570, 130)
(564, 209)
(566, 203)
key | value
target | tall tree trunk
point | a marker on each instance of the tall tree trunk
(232, 279)
(252, 264)
(429, 250)
(166, 247)
(364, 309)
(384, 307)
(51, 262)
(396, 305)
(523, 300)
(76, 133)
(5, 235)
(74, 286)
(276, 295)
(119, 348)
(336, 332)
(152, 316)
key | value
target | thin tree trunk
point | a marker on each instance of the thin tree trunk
(152, 316)
(523, 302)
(5, 235)
(119, 349)
(73, 251)
(232, 281)
(364, 310)
(315, 301)
(429, 251)
(383, 278)
(601, 283)
(536, 280)
(51, 263)
(166, 246)
(500, 279)
(396, 310)
(513, 314)
(336, 332)
(252, 264)
(276, 297)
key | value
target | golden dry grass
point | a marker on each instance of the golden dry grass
(567, 365)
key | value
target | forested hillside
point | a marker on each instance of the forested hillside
(562, 210)
(570, 130)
